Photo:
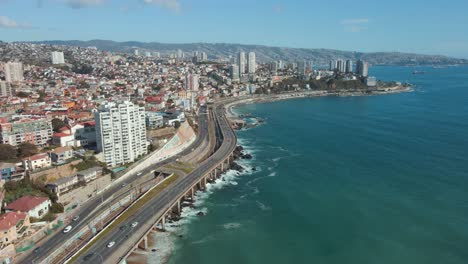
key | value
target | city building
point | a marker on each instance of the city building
(120, 132)
(38, 161)
(154, 120)
(301, 67)
(234, 72)
(333, 65)
(349, 66)
(204, 56)
(13, 71)
(34, 131)
(241, 63)
(33, 206)
(89, 174)
(61, 155)
(5, 89)
(362, 68)
(191, 82)
(63, 184)
(136, 52)
(371, 81)
(9, 172)
(13, 225)
(340, 65)
(57, 57)
(252, 65)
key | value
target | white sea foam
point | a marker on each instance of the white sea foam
(262, 206)
(232, 225)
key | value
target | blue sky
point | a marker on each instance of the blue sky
(421, 26)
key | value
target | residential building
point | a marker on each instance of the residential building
(252, 65)
(89, 174)
(57, 57)
(63, 184)
(340, 65)
(349, 66)
(10, 172)
(13, 225)
(241, 62)
(192, 82)
(34, 131)
(301, 67)
(38, 161)
(85, 133)
(136, 52)
(234, 72)
(120, 132)
(33, 206)
(5, 89)
(63, 139)
(154, 120)
(204, 56)
(371, 81)
(13, 71)
(333, 65)
(362, 68)
(61, 155)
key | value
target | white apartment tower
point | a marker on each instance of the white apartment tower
(13, 71)
(252, 63)
(241, 62)
(57, 57)
(191, 82)
(120, 132)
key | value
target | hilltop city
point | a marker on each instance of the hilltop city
(76, 120)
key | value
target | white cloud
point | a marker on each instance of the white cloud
(169, 4)
(83, 3)
(6, 22)
(355, 25)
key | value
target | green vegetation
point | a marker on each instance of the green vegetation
(131, 211)
(88, 164)
(7, 152)
(57, 124)
(26, 150)
(18, 189)
(331, 84)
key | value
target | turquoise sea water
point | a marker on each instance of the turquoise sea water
(378, 179)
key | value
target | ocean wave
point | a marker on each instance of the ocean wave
(262, 206)
(233, 225)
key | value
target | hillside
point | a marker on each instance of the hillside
(265, 53)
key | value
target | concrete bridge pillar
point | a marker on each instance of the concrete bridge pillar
(163, 222)
(192, 196)
(222, 166)
(204, 180)
(178, 206)
(143, 243)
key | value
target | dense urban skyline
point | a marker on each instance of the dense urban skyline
(366, 26)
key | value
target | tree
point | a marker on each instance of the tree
(26, 149)
(7, 152)
(176, 124)
(57, 124)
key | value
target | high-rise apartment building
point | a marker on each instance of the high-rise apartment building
(349, 66)
(5, 89)
(191, 82)
(252, 65)
(234, 72)
(13, 71)
(241, 62)
(120, 132)
(57, 57)
(362, 68)
(136, 52)
(340, 65)
(333, 65)
(204, 56)
(301, 67)
(34, 131)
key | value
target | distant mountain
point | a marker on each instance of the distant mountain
(266, 54)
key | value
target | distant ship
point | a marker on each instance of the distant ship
(419, 72)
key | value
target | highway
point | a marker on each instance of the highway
(124, 236)
(87, 210)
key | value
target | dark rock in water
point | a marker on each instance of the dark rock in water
(239, 148)
(246, 156)
(154, 250)
(200, 214)
(254, 169)
(237, 167)
(180, 236)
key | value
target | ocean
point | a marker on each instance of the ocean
(370, 179)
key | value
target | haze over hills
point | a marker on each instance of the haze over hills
(266, 53)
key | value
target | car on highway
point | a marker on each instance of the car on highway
(36, 250)
(139, 173)
(123, 185)
(76, 218)
(111, 244)
(67, 229)
(134, 224)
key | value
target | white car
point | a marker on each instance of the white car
(111, 244)
(67, 229)
(134, 224)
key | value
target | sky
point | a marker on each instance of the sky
(419, 26)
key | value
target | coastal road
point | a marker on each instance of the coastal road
(125, 237)
(88, 210)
